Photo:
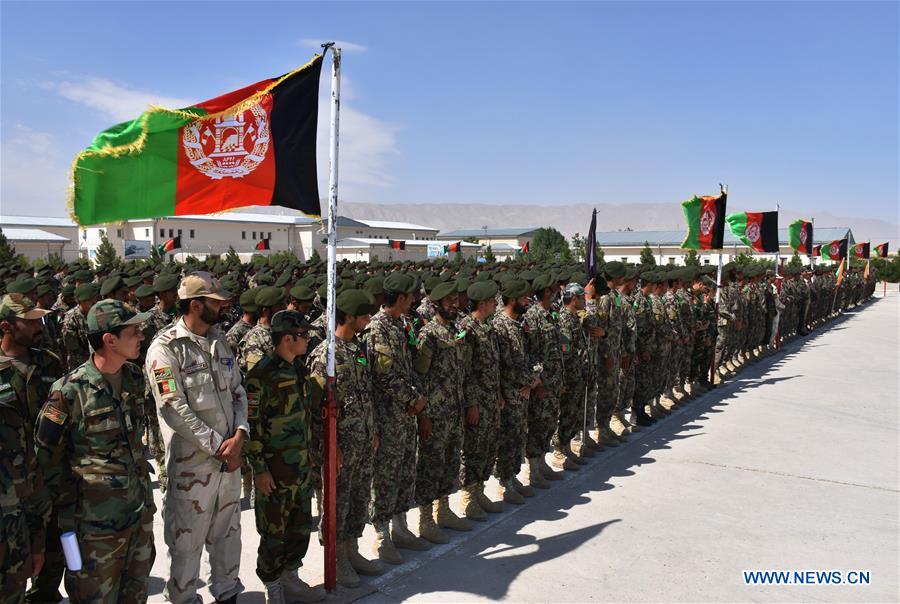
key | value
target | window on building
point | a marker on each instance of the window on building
(624, 259)
(191, 233)
(243, 234)
(119, 233)
(270, 234)
(706, 261)
(254, 234)
(171, 233)
(162, 232)
(179, 232)
(671, 259)
(146, 232)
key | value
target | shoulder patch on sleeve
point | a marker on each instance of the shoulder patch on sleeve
(165, 380)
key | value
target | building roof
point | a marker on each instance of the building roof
(494, 232)
(35, 235)
(50, 221)
(240, 217)
(366, 242)
(503, 247)
(675, 238)
(386, 224)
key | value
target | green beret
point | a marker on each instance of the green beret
(431, 283)
(110, 285)
(22, 285)
(264, 278)
(164, 283)
(269, 296)
(442, 290)
(482, 290)
(356, 302)
(614, 270)
(247, 300)
(86, 291)
(514, 288)
(399, 283)
(282, 279)
(68, 289)
(290, 321)
(302, 293)
(374, 285)
(143, 291)
(83, 275)
(542, 281)
(132, 281)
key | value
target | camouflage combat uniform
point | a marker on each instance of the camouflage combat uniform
(545, 351)
(236, 334)
(281, 443)
(647, 332)
(516, 372)
(74, 335)
(626, 362)
(93, 428)
(256, 344)
(575, 359)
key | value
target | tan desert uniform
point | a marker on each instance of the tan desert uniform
(201, 402)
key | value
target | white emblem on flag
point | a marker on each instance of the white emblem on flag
(752, 232)
(707, 220)
(228, 146)
(803, 235)
(835, 249)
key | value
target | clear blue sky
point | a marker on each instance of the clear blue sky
(499, 103)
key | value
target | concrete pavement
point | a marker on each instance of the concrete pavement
(792, 465)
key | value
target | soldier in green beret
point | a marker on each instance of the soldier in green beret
(74, 329)
(282, 451)
(249, 310)
(91, 425)
(257, 342)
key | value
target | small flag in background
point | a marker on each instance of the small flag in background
(759, 230)
(263, 244)
(453, 247)
(840, 272)
(861, 250)
(705, 217)
(817, 250)
(170, 244)
(396, 245)
(882, 250)
(526, 247)
(800, 236)
(836, 250)
(590, 249)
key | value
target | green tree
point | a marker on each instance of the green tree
(231, 257)
(647, 257)
(7, 249)
(489, 254)
(578, 246)
(156, 255)
(744, 259)
(106, 258)
(692, 258)
(795, 261)
(315, 256)
(548, 243)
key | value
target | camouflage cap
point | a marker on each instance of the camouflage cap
(574, 289)
(17, 306)
(269, 296)
(21, 286)
(202, 285)
(442, 290)
(86, 291)
(482, 290)
(356, 302)
(108, 314)
(289, 321)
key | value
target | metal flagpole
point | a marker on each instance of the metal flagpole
(712, 365)
(812, 244)
(777, 287)
(329, 525)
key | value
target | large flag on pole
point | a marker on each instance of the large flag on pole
(705, 217)
(836, 250)
(800, 236)
(590, 248)
(861, 250)
(253, 146)
(882, 250)
(759, 230)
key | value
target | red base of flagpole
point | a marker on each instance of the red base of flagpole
(329, 486)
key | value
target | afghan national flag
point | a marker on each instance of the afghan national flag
(453, 247)
(526, 247)
(759, 230)
(171, 244)
(253, 146)
(882, 250)
(396, 245)
(800, 236)
(861, 250)
(817, 250)
(836, 250)
(263, 244)
(705, 218)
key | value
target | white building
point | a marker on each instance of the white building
(505, 242)
(666, 245)
(364, 250)
(41, 236)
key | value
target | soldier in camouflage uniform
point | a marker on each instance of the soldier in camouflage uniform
(517, 378)
(544, 351)
(282, 451)
(165, 311)
(247, 321)
(482, 398)
(202, 408)
(258, 341)
(90, 425)
(629, 345)
(398, 403)
(439, 363)
(611, 431)
(726, 321)
(25, 505)
(647, 331)
(74, 332)
(575, 359)
(357, 439)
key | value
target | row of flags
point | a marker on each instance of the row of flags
(706, 220)
(170, 245)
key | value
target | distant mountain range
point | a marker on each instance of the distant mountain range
(575, 218)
